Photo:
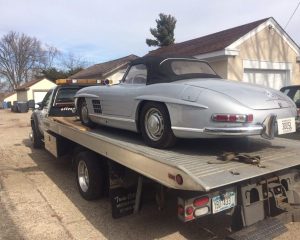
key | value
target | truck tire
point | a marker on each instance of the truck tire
(156, 125)
(90, 175)
(84, 114)
(37, 138)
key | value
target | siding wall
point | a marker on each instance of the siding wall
(43, 85)
(220, 68)
(269, 46)
(11, 98)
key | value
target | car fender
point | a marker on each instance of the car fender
(168, 101)
(82, 95)
(85, 95)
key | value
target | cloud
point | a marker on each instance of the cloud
(104, 30)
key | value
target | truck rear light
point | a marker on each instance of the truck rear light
(239, 118)
(180, 210)
(201, 211)
(179, 179)
(199, 202)
(189, 210)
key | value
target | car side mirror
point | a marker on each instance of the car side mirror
(40, 105)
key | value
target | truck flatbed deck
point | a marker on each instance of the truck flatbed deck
(189, 158)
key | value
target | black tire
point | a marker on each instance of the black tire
(93, 185)
(166, 137)
(37, 138)
(85, 120)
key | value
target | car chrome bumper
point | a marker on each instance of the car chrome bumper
(267, 130)
(237, 131)
(215, 132)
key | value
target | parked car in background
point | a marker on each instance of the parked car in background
(169, 98)
(294, 93)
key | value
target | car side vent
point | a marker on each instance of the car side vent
(97, 106)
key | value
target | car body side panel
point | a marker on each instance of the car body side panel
(169, 100)
(190, 103)
(119, 100)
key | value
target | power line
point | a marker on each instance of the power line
(292, 15)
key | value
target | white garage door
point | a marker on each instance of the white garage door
(38, 96)
(270, 78)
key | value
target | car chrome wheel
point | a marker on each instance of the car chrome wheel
(84, 113)
(83, 176)
(154, 124)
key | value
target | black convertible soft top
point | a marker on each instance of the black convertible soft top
(159, 69)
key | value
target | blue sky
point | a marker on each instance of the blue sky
(99, 30)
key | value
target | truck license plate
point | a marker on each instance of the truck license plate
(221, 203)
(286, 125)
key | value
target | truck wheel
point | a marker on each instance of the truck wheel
(84, 114)
(156, 125)
(90, 175)
(36, 137)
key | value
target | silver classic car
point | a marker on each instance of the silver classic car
(169, 98)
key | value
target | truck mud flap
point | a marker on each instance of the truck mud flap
(124, 190)
(263, 230)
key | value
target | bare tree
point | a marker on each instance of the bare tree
(22, 56)
(3, 86)
(71, 62)
(51, 54)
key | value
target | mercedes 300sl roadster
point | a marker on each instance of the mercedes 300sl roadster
(169, 98)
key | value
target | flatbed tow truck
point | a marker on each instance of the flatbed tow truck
(253, 180)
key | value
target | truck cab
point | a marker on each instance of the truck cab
(58, 102)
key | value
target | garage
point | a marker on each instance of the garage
(34, 90)
(267, 77)
(258, 52)
(38, 96)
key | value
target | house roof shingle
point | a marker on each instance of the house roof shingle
(101, 69)
(209, 43)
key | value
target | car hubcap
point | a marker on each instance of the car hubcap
(154, 124)
(84, 113)
(31, 136)
(83, 176)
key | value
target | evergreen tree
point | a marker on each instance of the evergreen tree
(164, 31)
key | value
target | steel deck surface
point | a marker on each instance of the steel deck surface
(192, 156)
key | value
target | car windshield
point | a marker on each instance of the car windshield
(184, 67)
(65, 96)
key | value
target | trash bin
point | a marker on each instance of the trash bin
(14, 107)
(4, 105)
(31, 104)
(22, 107)
(8, 104)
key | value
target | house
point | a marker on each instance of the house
(10, 97)
(260, 52)
(33, 90)
(111, 70)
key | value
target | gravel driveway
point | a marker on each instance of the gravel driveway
(39, 200)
